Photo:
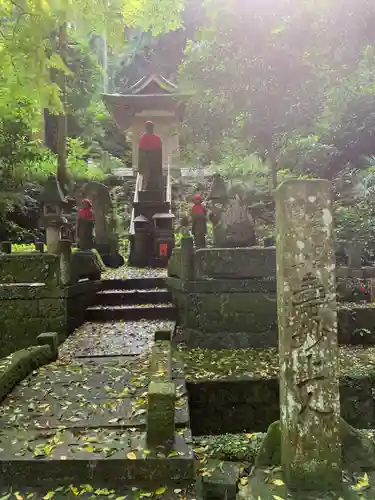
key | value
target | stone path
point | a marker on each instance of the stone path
(83, 418)
(125, 272)
(116, 338)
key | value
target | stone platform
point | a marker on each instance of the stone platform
(235, 390)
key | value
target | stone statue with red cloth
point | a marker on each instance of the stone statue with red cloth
(199, 221)
(85, 226)
(150, 159)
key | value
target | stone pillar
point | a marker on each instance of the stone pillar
(53, 235)
(6, 247)
(66, 271)
(307, 319)
(187, 258)
(355, 252)
(39, 246)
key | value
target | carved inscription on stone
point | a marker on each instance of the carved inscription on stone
(309, 302)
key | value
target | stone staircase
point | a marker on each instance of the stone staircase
(132, 300)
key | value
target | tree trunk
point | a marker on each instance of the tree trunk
(273, 167)
(56, 126)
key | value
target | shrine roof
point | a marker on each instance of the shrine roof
(153, 84)
(150, 93)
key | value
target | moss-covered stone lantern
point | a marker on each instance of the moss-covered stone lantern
(53, 201)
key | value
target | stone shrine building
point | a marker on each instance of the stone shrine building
(151, 98)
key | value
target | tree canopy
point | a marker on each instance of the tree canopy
(28, 41)
(280, 77)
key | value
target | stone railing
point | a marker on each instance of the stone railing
(37, 268)
(39, 292)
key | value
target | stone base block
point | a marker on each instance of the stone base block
(221, 481)
(52, 340)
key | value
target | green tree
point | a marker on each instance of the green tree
(263, 73)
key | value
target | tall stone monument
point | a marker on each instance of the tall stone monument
(309, 386)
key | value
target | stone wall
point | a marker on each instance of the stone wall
(226, 298)
(235, 263)
(244, 308)
(33, 300)
(252, 404)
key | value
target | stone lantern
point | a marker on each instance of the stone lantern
(163, 237)
(53, 201)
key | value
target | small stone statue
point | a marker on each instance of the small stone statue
(150, 159)
(237, 225)
(199, 221)
(85, 226)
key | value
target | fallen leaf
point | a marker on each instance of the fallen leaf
(160, 491)
(131, 455)
(277, 482)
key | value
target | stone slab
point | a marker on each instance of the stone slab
(91, 456)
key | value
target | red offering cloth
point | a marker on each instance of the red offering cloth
(148, 142)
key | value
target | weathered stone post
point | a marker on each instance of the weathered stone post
(66, 271)
(355, 251)
(187, 258)
(161, 397)
(309, 387)
(6, 247)
(39, 246)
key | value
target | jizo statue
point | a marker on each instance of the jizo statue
(150, 159)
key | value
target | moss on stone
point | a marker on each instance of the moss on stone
(161, 414)
(51, 339)
(20, 364)
(29, 268)
(358, 448)
(87, 264)
(161, 361)
(270, 450)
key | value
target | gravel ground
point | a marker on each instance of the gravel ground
(134, 272)
(114, 338)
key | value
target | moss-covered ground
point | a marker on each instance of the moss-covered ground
(207, 364)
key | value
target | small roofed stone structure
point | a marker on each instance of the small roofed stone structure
(151, 98)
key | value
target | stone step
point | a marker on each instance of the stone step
(131, 313)
(99, 458)
(133, 284)
(126, 297)
(173, 491)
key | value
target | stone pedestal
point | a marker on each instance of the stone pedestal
(309, 388)
(187, 258)
(65, 251)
